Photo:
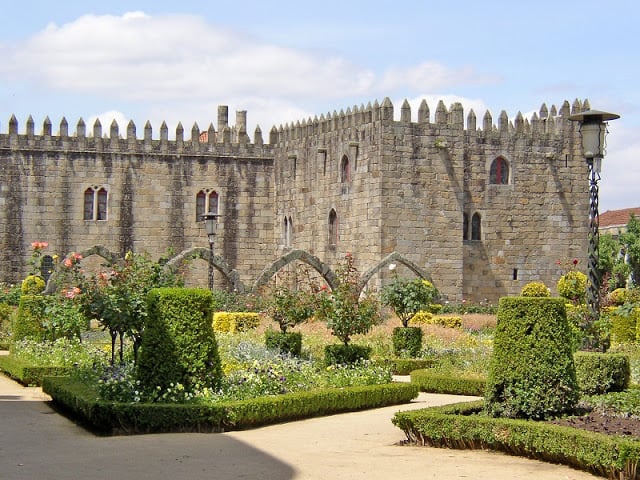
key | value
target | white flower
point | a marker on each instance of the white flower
(392, 266)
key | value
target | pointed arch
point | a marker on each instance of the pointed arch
(333, 228)
(314, 262)
(499, 172)
(476, 227)
(345, 170)
(393, 257)
(231, 275)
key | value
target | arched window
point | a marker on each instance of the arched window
(345, 170)
(333, 228)
(213, 202)
(201, 201)
(95, 203)
(207, 201)
(102, 204)
(285, 231)
(476, 226)
(88, 204)
(290, 233)
(499, 173)
(465, 226)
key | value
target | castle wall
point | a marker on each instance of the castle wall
(409, 186)
(152, 187)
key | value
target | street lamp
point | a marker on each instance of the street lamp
(210, 225)
(593, 130)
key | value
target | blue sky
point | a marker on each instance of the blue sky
(284, 61)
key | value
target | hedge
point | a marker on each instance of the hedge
(462, 426)
(79, 401)
(26, 373)
(434, 382)
(232, 322)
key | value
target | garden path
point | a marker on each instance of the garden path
(38, 444)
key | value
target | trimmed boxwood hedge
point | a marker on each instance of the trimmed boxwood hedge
(462, 426)
(79, 401)
(28, 374)
(434, 382)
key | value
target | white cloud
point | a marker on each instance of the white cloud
(181, 57)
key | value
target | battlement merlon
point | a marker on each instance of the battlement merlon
(546, 122)
(235, 140)
(229, 140)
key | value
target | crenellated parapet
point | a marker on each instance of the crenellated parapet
(227, 141)
(547, 122)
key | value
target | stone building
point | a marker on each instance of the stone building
(481, 209)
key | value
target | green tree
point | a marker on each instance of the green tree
(118, 297)
(408, 297)
(611, 263)
(630, 241)
(345, 310)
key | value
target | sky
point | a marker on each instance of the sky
(286, 61)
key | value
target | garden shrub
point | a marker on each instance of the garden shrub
(428, 318)
(573, 286)
(437, 382)
(232, 322)
(284, 342)
(618, 296)
(349, 353)
(423, 317)
(532, 372)
(624, 323)
(32, 285)
(404, 366)
(179, 345)
(407, 341)
(28, 322)
(600, 373)
(535, 289)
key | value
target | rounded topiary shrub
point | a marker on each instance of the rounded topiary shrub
(32, 285)
(573, 286)
(532, 371)
(407, 341)
(284, 342)
(345, 354)
(179, 345)
(535, 289)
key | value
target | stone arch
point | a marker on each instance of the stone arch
(99, 250)
(231, 275)
(314, 262)
(394, 257)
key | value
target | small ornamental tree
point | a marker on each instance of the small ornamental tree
(288, 307)
(408, 297)
(117, 297)
(346, 312)
(532, 372)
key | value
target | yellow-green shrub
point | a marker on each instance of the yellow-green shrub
(535, 289)
(573, 286)
(624, 322)
(421, 318)
(427, 318)
(32, 285)
(618, 296)
(232, 322)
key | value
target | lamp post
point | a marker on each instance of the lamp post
(593, 130)
(210, 225)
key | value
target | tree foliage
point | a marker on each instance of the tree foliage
(408, 297)
(344, 309)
